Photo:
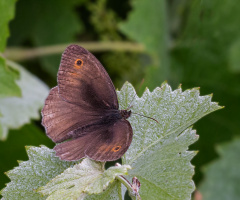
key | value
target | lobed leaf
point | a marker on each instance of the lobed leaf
(41, 167)
(12, 149)
(158, 155)
(159, 152)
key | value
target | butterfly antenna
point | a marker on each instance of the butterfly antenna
(146, 117)
(129, 106)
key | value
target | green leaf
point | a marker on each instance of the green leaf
(7, 8)
(87, 177)
(41, 167)
(13, 149)
(159, 153)
(112, 192)
(147, 24)
(222, 177)
(8, 87)
(18, 111)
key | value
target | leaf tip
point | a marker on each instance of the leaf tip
(196, 152)
(164, 83)
(27, 147)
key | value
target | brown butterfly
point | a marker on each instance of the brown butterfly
(82, 112)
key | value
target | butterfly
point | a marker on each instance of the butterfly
(82, 113)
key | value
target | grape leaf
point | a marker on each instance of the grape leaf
(41, 167)
(86, 177)
(18, 111)
(8, 87)
(30, 134)
(222, 177)
(158, 153)
(7, 8)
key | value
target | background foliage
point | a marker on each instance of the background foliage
(193, 42)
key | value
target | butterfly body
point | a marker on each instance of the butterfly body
(108, 117)
(82, 113)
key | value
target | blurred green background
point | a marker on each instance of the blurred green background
(195, 43)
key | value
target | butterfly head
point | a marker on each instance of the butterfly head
(125, 113)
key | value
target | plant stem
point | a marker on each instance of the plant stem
(20, 54)
(128, 185)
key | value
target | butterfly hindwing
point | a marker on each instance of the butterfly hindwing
(103, 144)
(112, 143)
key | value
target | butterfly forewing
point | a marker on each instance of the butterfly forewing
(83, 80)
(61, 117)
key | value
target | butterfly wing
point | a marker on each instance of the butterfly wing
(60, 117)
(76, 109)
(103, 144)
(84, 92)
(83, 80)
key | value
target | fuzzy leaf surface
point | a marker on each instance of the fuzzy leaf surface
(87, 177)
(159, 152)
(41, 167)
